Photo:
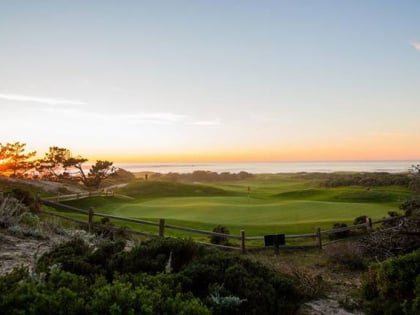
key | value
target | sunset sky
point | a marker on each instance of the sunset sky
(212, 80)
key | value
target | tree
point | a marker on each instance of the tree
(2, 152)
(15, 161)
(52, 165)
(97, 172)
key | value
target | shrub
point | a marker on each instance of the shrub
(391, 287)
(122, 282)
(218, 239)
(11, 211)
(339, 234)
(347, 255)
(67, 293)
(78, 257)
(360, 220)
(261, 291)
(411, 207)
(26, 198)
(153, 256)
(397, 237)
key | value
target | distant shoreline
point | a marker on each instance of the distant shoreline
(273, 167)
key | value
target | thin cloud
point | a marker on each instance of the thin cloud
(215, 122)
(158, 116)
(42, 100)
(416, 45)
(134, 118)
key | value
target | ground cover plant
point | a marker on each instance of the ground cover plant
(393, 286)
(161, 276)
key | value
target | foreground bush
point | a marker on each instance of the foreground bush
(67, 293)
(161, 276)
(262, 291)
(393, 286)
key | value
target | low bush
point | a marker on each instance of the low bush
(153, 256)
(222, 240)
(397, 237)
(188, 277)
(261, 291)
(68, 293)
(339, 234)
(392, 287)
(347, 255)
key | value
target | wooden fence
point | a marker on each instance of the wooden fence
(318, 236)
(76, 196)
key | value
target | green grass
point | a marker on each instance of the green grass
(265, 204)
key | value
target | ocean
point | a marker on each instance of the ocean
(274, 167)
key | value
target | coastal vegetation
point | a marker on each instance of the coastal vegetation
(110, 272)
(58, 164)
(113, 275)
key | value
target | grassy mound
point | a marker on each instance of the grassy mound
(302, 194)
(354, 195)
(158, 189)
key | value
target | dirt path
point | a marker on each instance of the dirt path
(15, 251)
(335, 288)
(337, 296)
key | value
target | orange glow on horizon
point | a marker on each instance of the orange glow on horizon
(319, 154)
(373, 147)
(392, 147)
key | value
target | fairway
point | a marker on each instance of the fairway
(241, 211)
(269, 203)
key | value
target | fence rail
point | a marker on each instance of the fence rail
(76, 196)
(318, 235)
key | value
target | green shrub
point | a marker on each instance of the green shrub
(392, 287)
(216, 239)
(105, 279)
(66, 293)
(261, 291)
(339, 234)
(78, 257)
(153, 256)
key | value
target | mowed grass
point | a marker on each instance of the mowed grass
(264, 204)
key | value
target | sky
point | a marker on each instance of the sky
(190, 81)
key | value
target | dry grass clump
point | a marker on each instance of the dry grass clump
(305, 269)
(11, 211)
(346, 254)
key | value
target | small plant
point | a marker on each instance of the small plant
(223, 304)
(220, 239)
(339, 234)
(347, 255)
(10, 211)
(309, 284)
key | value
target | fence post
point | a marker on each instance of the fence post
(318, 238)
(90, 219)
(243, 249)
(368, 225)
(162, 227)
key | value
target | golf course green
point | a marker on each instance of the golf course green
(262, 204)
